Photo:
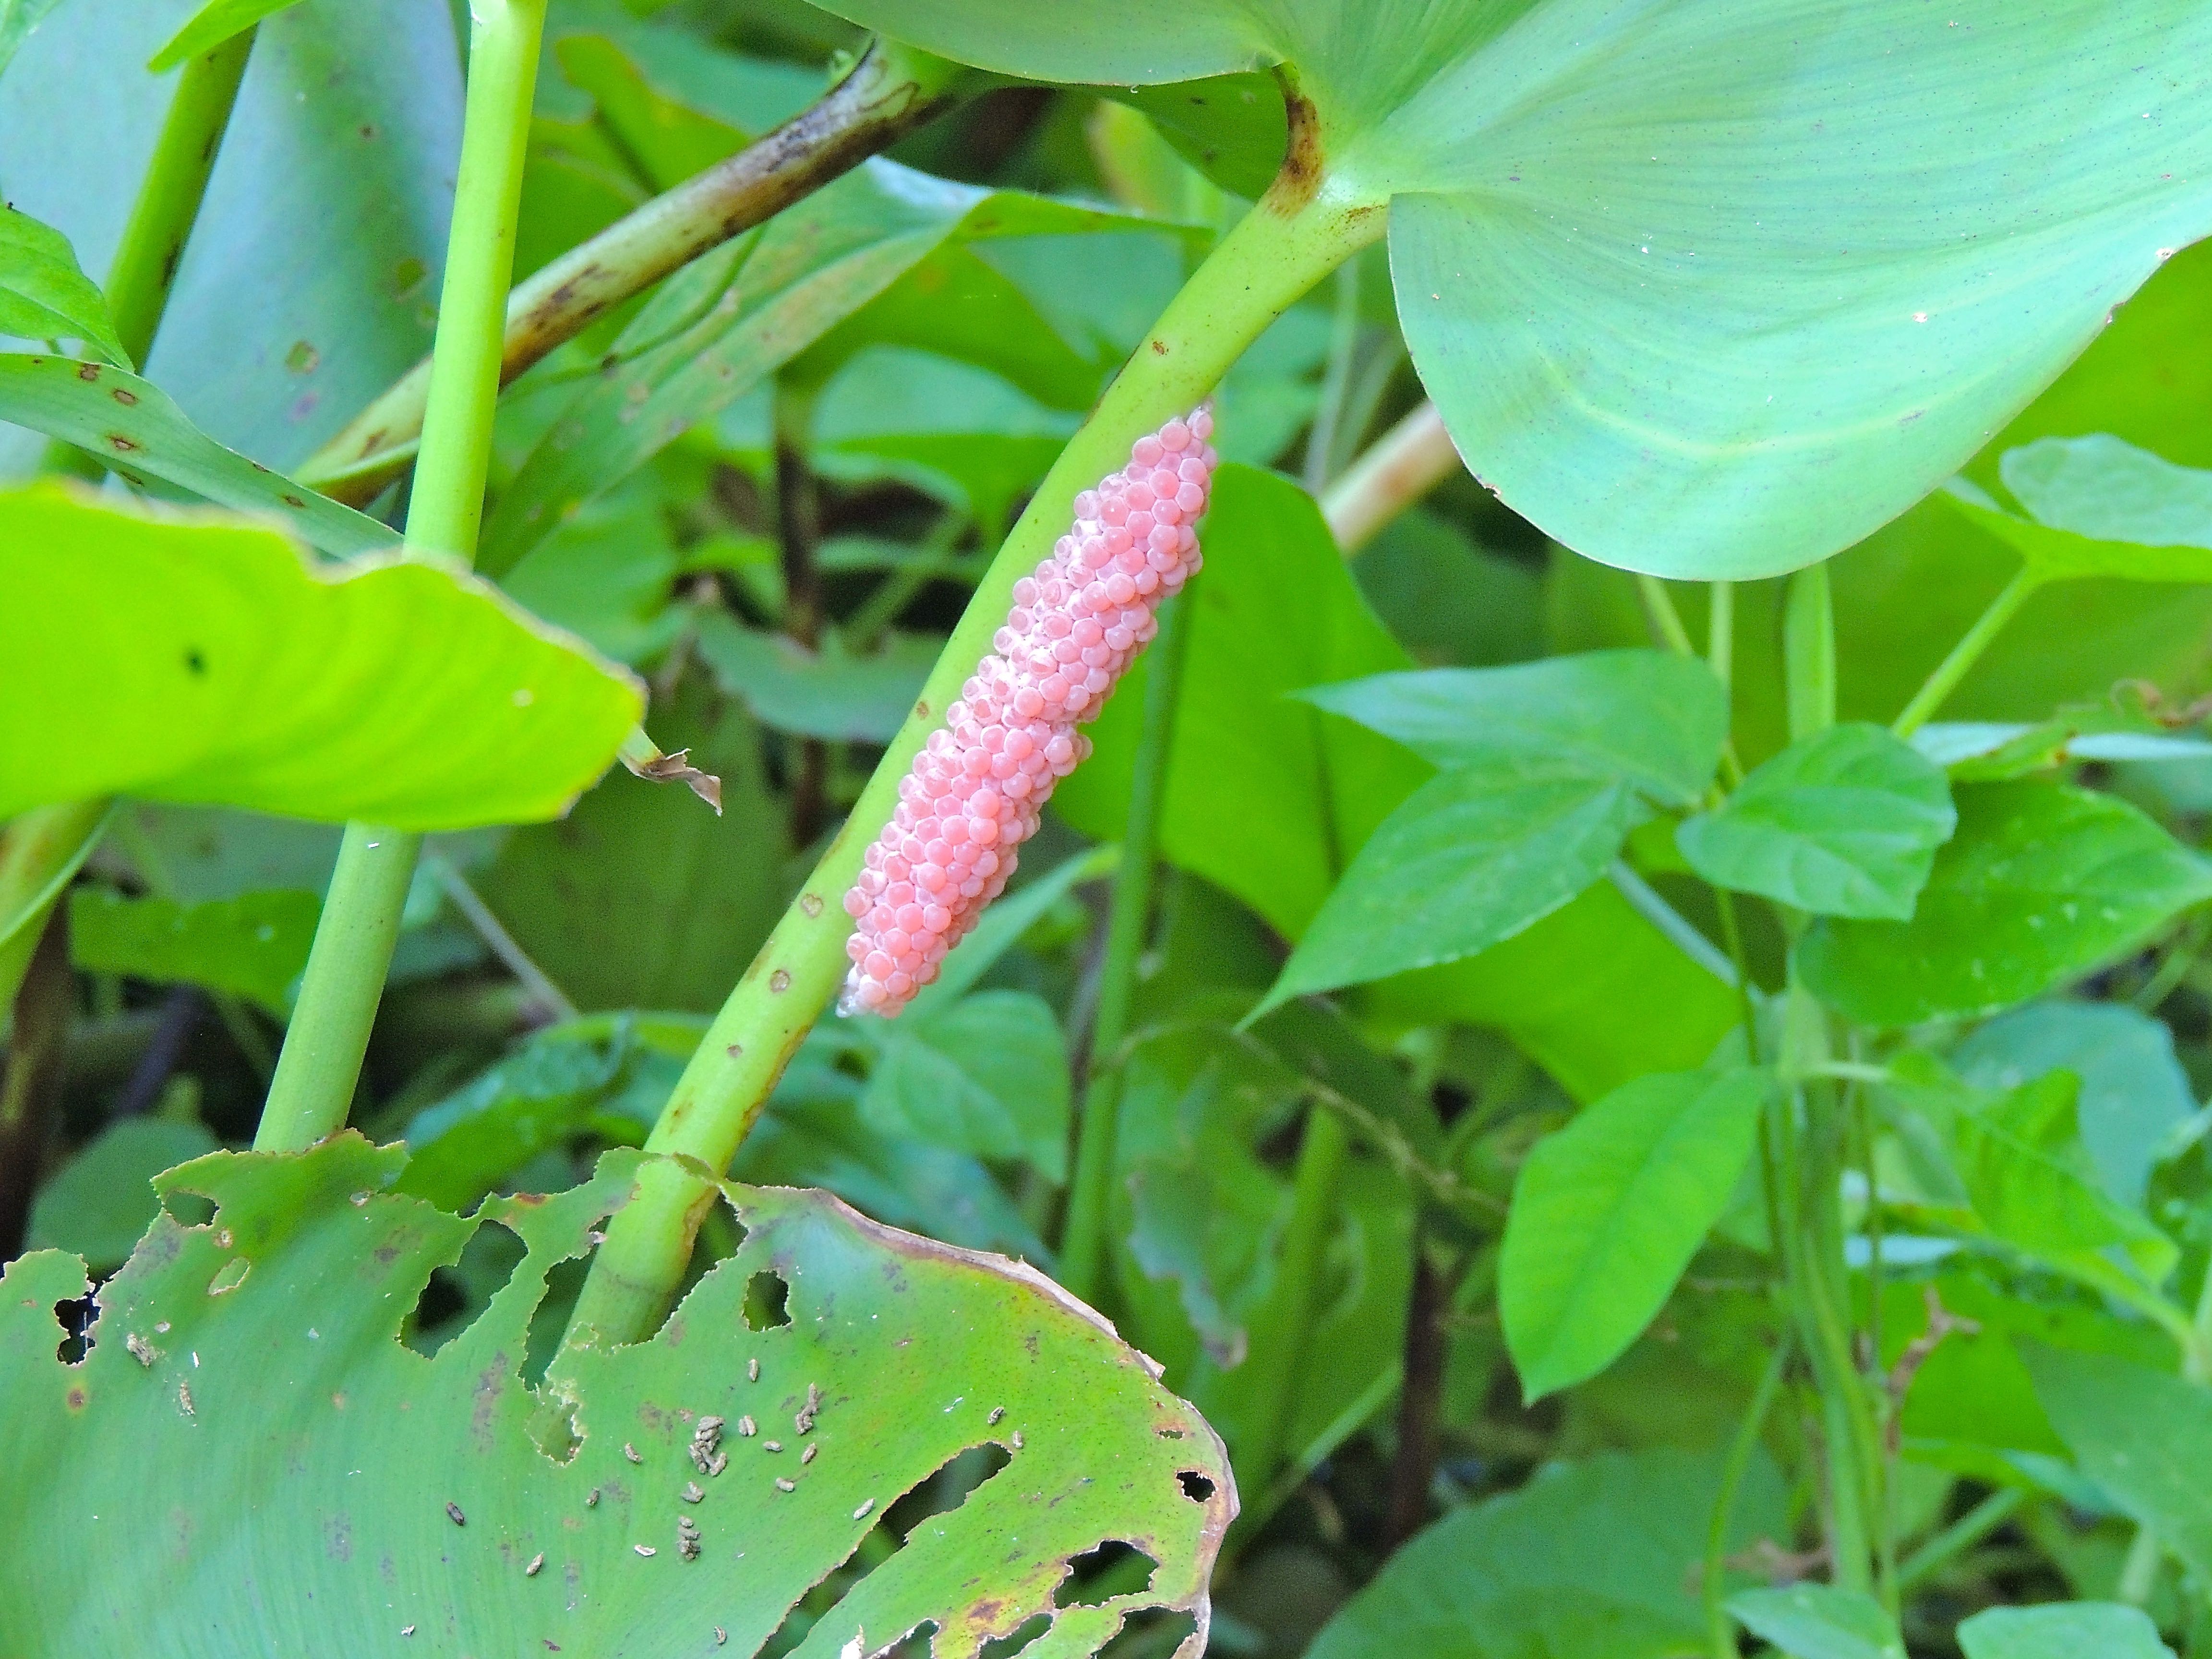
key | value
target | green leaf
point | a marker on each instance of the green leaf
(987, 1075)
(224, 670)
(2099, 508)
(722, 325)
(1640, 717)
(98, 1204)
(1819, 1621)
(2040, 884)
(641, 897)
(1845, 823)
(255, 945)
(132, 425)
(17, 19)
(43, 293)
(1588, 1560)
(2063, 1630)
(829, 694)
(211, 26)
(916, 1351)
(1473, 856)
(1609, 1211)
(1559, 173)
(2134, 1092)
(2144, 1436)
(540, 1098)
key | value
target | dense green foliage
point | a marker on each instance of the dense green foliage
(1631, 1048)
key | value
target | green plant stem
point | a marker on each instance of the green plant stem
(1288, 241)
(320, 1062)
(1964, 654)
(1747, 999)
(1961, 1535)
(1336, 379)
(1321, 1154)
(891, 90)
(1808, 649)
(1720, 632)
(1666, 621)
(1713, 1588)
(39, 850)
(1129, 922)
(2139, 1571)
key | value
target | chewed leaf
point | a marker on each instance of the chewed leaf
(297, 1475)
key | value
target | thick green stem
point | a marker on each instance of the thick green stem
(1288, 242)
(1665, 620)
(321, 1059)
(1336, 379)
(1091, 1201)
(1964, 655)
(890, 91)
(1713, 1589)
(1808, 647)
(1322, 1153)
(1720, 631)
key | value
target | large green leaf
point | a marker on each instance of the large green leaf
(1588, 1560)
(17, 19)
(1642, 717)
(832, 694)
(1472, 857)
(722, 325)
(1782, 217)
(1609, 1211)
(2144, 1436)
(2134, 1092)
(134, 427)
(2099, 508)
(987, 1075)
(98, 1204)
(2063, 1629)
(208, 663)
(43, 293)
(255, 945)
(2040, 884)
(310, 280)
(1845, 823)
(1819, 1621)
(302, 1476)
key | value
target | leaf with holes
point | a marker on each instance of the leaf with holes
(135, 427)
(209, 664)
(298, 1475)
(1706, 290)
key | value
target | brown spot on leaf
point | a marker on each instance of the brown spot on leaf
(121, 445)
(125, 396)
(88, 371)
(76, 1398)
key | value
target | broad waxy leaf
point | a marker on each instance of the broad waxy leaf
(2144, 1436)
(43, 293)
(460, 1148)
(302, 1475)
(135, 427)
(1609, 1211)
(2040, 884)
(255, 945)
(2063, 1629)
(1819, 1621)
(1642, 717)
(213, 665)
(1688, 294)
(1473, 857)
(99, 1204)
(1845, 822)
(1588, 1560)
(211, 26)
(17, 19)
(2099, 508)
(2134, 1092)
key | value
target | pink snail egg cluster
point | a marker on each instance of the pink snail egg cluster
(976, 789)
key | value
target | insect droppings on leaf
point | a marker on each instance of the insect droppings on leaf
(991, 1421)
(692, 1491)
(807, 1456)
(630, 1452)
(592, 1498)
(867, 1504)
(752, 1374)
(141, 1350)
(783, 1485)
(645, 1549)
(536, 1563)
(747, 1428)
(453, 1512)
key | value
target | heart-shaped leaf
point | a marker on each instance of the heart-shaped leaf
(212, 664)
(44, 294)
(1608, 1211)
(1819, 1621)
(1707, 289)
(2063, 1629)
(2041, 883)
(1845, 823)
(299, 1476)
(2099, 507)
